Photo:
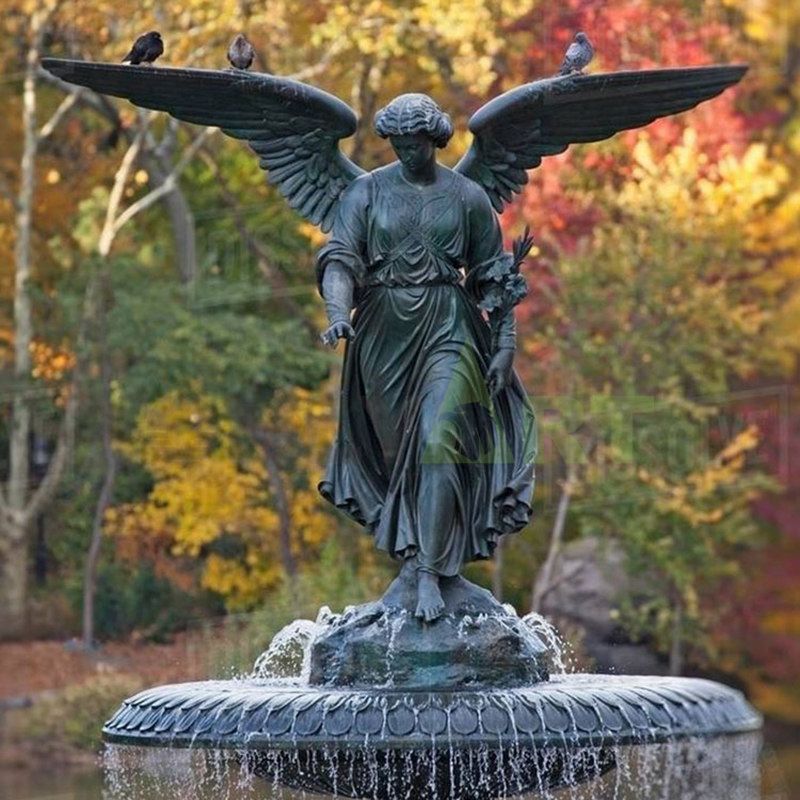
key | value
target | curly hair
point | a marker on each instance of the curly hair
(414, 113)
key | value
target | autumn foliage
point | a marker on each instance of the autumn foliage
(660, 334)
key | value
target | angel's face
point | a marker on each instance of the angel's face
(415, 151)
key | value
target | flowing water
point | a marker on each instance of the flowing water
(725, 768)
(779, 780)
(717, 769)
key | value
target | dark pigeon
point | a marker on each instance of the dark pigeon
(578, 55)
(241, 53)
(146, 49)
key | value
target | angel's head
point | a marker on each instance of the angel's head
(415, 125)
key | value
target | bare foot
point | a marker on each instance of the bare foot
(429, 599)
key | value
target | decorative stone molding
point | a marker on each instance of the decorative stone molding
(567, 712)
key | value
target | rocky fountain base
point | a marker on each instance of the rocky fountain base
(389, 707)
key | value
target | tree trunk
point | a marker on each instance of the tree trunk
(364, 99)
(15, 562)
(544, 578)
(676, 646)
(97, 311)
(109, 478)
(181, 221)
(13, 580)
(23, 322)
(268, 448)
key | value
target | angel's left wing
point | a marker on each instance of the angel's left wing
(294, 128)
(513, 132)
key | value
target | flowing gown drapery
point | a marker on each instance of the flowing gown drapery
(424, 459)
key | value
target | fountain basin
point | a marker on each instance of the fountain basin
(471, 744)
(387, 707)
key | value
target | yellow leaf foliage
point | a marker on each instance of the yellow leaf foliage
(209, 501)
(748, 202)
(305, 420)
(734, 192)
(51, 363)
(700, 498)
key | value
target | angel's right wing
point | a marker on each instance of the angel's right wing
(294, 128)
(513, 132)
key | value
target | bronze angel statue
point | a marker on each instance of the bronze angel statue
(436, 440)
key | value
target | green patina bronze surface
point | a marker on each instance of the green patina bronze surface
(436, 442)
(425, 458)
(434, 452)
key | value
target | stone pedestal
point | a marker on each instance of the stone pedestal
(476, 642)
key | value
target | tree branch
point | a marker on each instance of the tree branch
(271, 274)
(96, 101)
(67, 104)
(166, 187)
(562, 579)
(154, 160)
(109, 231)
(316, 69)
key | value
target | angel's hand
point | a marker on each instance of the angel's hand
(500, 371)
(336, 331)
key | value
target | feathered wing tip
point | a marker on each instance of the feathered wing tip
(294, 128)
(521, 246)
(515, 131)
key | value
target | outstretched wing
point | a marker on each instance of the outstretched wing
(513, 132)
(294, 128)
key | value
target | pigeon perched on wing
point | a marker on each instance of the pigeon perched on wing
(146, 49)
(578, 55)
(241, 53)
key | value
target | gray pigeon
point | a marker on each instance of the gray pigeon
(241, 53)
(146, 49)
(578, 55)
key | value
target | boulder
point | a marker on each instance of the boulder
(587, 579)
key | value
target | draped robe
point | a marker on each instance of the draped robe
(424, 458)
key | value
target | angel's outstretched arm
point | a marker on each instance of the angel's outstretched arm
(341, 262)
(489, 278)
(505, 329)
(488, 272)
(337, 290)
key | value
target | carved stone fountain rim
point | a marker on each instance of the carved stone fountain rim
(566, 713)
